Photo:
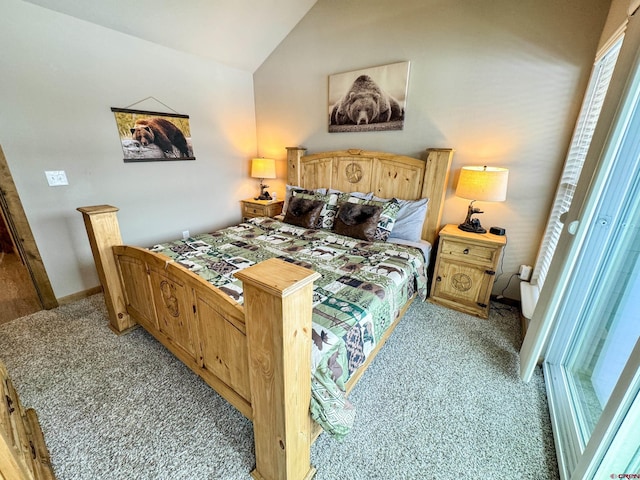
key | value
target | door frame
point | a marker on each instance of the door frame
(22, 236)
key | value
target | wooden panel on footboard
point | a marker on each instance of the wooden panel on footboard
(168, 296)
(224, 342)
(138, 291)
(200, 325)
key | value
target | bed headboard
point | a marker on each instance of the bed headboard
(385, 174)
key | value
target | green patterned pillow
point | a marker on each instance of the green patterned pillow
(328, 213)
(388, 215)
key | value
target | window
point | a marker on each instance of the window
(589, 114)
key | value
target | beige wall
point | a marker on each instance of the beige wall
(500, 82)
(59, 77)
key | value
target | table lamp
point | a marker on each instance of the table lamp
(263, 168)
(486, 184)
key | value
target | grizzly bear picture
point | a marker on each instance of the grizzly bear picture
(365, 103)
(162, 133)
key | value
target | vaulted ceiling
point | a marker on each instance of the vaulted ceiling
(238, 33)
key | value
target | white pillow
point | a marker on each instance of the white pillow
(410, 220)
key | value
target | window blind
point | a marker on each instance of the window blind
(583, 133)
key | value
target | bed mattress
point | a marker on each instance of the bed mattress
(363, 287)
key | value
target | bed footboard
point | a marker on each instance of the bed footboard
(198, 323)
(258, 357)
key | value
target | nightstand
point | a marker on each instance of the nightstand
(465, 270)
(260, 208)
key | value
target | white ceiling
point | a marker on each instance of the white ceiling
(238, 33)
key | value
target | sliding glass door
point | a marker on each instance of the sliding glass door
(592, 365)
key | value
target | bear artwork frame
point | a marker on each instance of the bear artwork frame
(370, 99)
(153, 136)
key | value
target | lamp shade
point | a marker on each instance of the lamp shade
(487, 184)
(263, 168)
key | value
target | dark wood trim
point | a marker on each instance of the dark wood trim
(147, 112)
(22, 235)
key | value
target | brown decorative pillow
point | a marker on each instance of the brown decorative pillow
(303, 212)
(357, 220)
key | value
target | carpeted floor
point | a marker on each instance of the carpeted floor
(442, 400)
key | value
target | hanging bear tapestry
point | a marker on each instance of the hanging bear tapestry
(152, 136)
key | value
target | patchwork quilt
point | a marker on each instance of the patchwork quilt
(363, 287)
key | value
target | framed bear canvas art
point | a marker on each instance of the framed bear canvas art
(152, 136)
(371, 99)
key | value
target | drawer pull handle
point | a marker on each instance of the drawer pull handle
(438, 278)
(466, 251)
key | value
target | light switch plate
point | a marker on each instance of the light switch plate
(56, 178)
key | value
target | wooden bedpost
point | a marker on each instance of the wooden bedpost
(104, 233)
(277, 304)
(436, 177)
(294, 154)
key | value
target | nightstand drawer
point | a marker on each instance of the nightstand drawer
(254, 208)
(253, 211)
(469, 252)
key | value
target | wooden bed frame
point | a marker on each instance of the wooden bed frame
(256, 356)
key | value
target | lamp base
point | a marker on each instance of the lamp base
(472, 224)
(263, 195)
(472, 227)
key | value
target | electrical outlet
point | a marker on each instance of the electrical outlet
(185, 234)
(56, 178)
(525, 272)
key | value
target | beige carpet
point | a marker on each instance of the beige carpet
(442, 400)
